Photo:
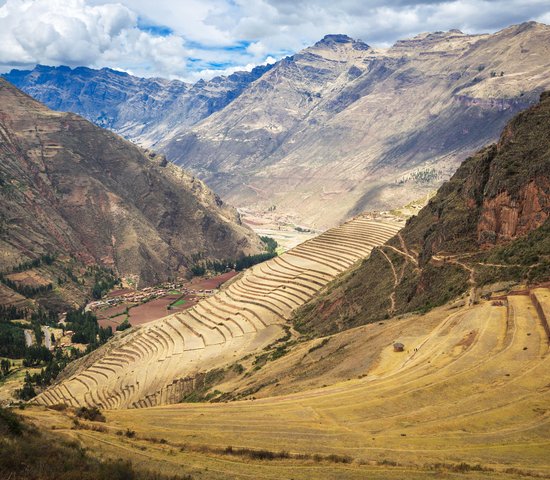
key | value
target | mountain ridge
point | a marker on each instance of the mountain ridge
(134, 107)
(326, 136)
(70, 188)
(341, 127)
(488, 225)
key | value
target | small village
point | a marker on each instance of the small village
(146, 294)
(181, 293)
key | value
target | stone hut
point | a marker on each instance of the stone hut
(398, 347)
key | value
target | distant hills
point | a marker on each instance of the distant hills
(488, 225)
(140, 109)
(333, 130)
(76, 198)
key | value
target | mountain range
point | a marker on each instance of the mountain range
(333, 130)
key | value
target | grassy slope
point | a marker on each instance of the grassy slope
(468, 395)
(29, 453)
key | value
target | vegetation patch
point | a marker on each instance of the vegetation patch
(204, 383)
(92, 414)
(270, 244)
(125, 325)
(321, 344)
(30, 454)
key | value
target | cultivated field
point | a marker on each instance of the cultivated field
(468, 398)
(139, 314)
(164, 360)
(474, 389)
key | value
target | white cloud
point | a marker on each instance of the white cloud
(209, 73)
(73, 33)
(210, 37)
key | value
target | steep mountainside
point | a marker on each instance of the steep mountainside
(137, 108)
(334, 130)
(340, 127)
(489, 223)
(69, 188)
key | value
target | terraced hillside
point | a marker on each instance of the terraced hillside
(472, 387)
(468, 398)
(161, 362)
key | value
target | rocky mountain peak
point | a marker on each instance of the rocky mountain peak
(335, 40)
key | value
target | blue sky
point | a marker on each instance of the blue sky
(192, 39)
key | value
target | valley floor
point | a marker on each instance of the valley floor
(468, 398)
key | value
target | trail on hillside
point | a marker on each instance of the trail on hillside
(395, 281)
(455, 260)
(407, 256)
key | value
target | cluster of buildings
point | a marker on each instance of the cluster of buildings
(144, 295)
(135, 296)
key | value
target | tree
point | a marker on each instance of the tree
(5, 366)
(123, 326)
(27, 392)
(35, 355)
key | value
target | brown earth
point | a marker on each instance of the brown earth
(71, 189)
(29, 278)
(153, 310)
(212, 283)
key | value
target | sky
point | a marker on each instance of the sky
(193, 39)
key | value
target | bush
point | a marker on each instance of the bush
(93, 414)
(125, 325)
(10, 422)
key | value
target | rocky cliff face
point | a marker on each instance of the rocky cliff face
(488, 223)
(137, 108)
(506, 218)
(73, 189)
(341, 127)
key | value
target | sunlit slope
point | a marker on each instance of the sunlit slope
(162, 361)
(475, 388)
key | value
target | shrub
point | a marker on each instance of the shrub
(93, 414)
(125, 325)
(10, 422)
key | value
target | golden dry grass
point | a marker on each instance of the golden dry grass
(477, 390)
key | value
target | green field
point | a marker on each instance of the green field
(179, 302)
